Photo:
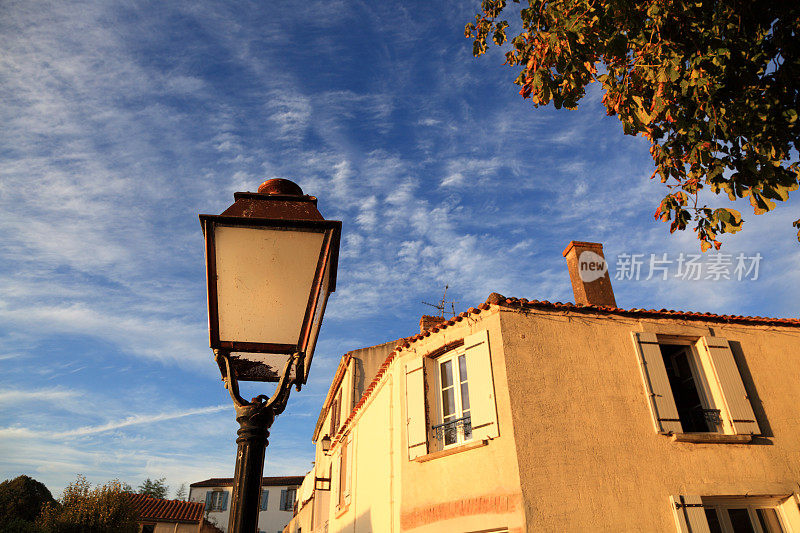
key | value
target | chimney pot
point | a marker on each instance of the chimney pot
(588, 272)
(427, 321)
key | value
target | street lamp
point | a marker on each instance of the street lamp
(271, 262)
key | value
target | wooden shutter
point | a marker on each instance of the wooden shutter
(433, 409)
(690, 517)
(733, 394)
(224, 503)
(264, 499)
(348, 462)
(416, 429)
(656, 383)
(209, 500)
(483, 409)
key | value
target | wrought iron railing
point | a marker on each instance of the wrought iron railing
(448, 431)
(713, 416)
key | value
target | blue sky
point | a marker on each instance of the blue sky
(123, 121)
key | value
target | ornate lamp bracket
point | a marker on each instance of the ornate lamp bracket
(255, 418)
(276, 403)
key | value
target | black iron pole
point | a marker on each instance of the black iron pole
(254, 419)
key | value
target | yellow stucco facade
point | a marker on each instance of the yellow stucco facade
(569, 430)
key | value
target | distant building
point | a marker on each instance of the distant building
(156, 515)
(531, 416)
(277, 501)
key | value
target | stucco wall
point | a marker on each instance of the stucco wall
(270, 520)
(473, 490)
(589, 458)
(372, 480)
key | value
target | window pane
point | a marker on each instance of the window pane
(450, 434)
(447, 373)
(464, 397)
(462, 367)
(467, 426)
(448, 403)
(713, 521)
(740, 520)
(770, 522)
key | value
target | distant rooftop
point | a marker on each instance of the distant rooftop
(158, 510)
(268, 481)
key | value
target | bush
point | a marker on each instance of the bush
(21, 501)
(104, 509)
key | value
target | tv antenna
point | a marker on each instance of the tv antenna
(443, 304)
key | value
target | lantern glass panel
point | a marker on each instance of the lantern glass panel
(322, 302)
(264, 279)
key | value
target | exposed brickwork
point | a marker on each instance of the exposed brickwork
(428, 321)
(488, 504)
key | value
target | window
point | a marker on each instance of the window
(735, 514)
(336, 408)
(454, 412)
(693, 385)
(216, 500)
(684, 371)
(450, 397)
(287, 499)
(345, 464)
(264, 499)
(148, 528)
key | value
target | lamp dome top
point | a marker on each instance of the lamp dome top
(280, 186)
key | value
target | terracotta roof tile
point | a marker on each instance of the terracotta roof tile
(158, 510)
(498, 299)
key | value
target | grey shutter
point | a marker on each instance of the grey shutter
(209, 495)
(264, 499)
(283, 500)
(224, 504)
(416, 430)
(483, 411)
(690, 516)
(433, 410)
(656, 383)
(734, 395)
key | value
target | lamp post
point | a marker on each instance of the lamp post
(271, 261)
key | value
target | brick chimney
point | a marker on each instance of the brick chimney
(427, 321)
(588, 272)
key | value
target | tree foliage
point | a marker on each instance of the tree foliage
(156, 488)
(181, 493)
(712, 85)
(21, 501)
(83, 509)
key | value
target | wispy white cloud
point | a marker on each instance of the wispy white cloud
(39, 395)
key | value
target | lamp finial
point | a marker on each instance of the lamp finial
(280, 186)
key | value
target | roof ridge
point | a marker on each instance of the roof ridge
(511, 302)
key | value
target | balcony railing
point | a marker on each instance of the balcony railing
(713, 416)
(449, 431)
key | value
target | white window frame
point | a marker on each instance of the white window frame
(453, 358)
(690, 512)
(217, 497)
(718, 382)
(422, 402)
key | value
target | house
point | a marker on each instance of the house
(277, 501)
(156, 515)
(525, 415)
